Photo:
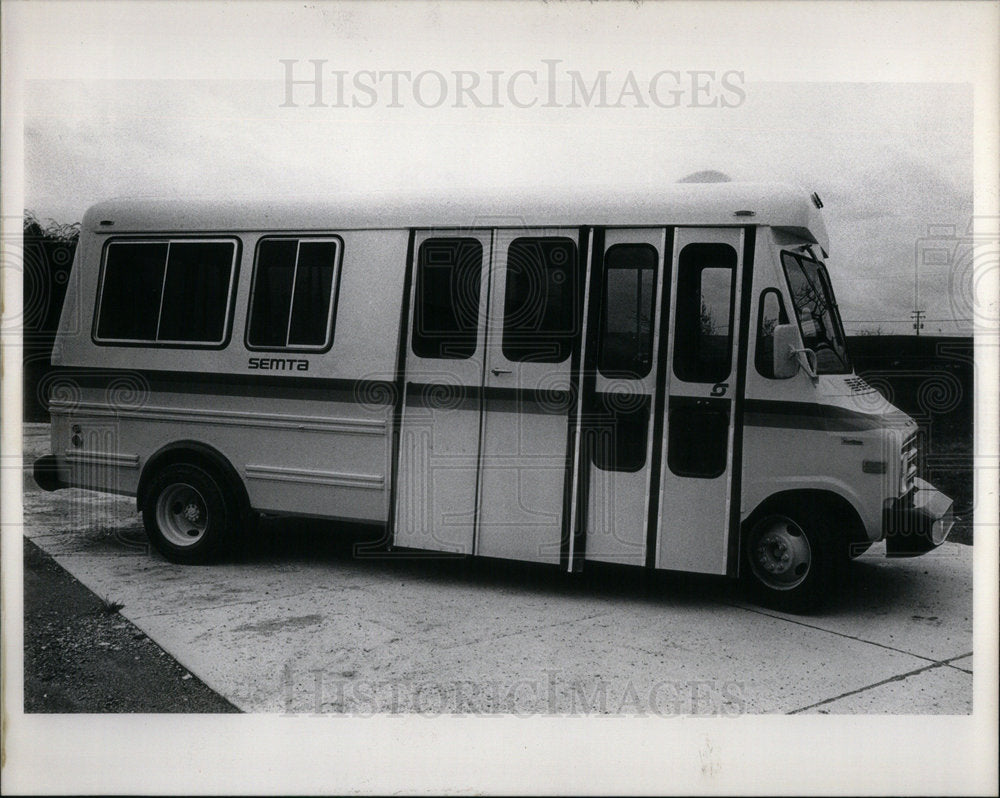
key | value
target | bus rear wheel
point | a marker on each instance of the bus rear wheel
(790, 561)
(189, 514)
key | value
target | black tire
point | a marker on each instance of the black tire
(190, 514)
(790, 560)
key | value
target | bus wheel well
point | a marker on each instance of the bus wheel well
(838, 512)
(198, 454)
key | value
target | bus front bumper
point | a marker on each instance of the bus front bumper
(917, 522)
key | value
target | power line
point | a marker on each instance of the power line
(904, 321)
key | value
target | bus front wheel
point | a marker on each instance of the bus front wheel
(189, 514)
(790, 561)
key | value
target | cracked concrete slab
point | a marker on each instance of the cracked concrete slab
(938, 621)
(962, 663)
(922, 693)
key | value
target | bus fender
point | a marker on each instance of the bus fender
(199, 454)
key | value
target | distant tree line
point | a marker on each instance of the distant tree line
(47, 260)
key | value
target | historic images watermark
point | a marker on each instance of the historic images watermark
(551, 692)
(318, 83)
(971, 256)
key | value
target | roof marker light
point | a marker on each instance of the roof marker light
(106, 223)
(816, 200)
(744, 213)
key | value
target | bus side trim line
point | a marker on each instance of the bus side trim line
(358, 426)
(308, 477)
(102, 458)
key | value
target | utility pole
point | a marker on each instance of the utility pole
(918, 323)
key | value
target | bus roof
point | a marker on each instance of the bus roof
(709, 204)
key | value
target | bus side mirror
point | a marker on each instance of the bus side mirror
(786, 352)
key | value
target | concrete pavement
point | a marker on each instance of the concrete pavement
(298, 624)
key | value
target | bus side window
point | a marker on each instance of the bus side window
(619, 432)
(294, 294)
(446, 312)
(129, 305)
(626, 345)
(170, 292)
(770, 313)
(541, 314)
(703, 342)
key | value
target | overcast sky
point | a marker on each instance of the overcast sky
(157, 104)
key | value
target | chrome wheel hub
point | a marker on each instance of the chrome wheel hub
(181, 514)
(780, 555)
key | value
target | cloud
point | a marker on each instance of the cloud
(706, 176)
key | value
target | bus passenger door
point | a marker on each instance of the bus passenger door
(436, 478)
(619, 385)
(533, 337)
(696, 485)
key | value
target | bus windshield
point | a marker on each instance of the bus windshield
(816, 310)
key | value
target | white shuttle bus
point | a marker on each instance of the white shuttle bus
(658, 380)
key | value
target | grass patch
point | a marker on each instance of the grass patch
(109, 607)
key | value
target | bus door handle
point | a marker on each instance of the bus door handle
(498, 372)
